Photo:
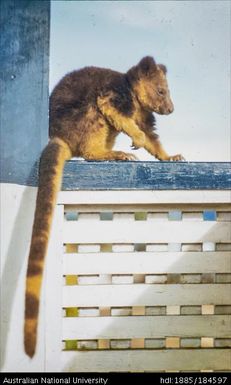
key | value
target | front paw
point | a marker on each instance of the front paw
(176, 158)
(138, 141)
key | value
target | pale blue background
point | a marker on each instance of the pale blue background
(191, 37)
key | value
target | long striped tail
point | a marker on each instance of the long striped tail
(50, 175)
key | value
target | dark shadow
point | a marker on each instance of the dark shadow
(15, 259)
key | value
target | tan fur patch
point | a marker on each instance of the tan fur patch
(120, 122)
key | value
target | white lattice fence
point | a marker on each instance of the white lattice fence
(145, 282)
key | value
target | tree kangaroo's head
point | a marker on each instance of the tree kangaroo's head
(149, 83)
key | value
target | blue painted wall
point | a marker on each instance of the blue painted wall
(24, 56)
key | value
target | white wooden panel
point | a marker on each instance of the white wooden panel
(146, 295)
(53, 299)
(141, 197)
(143, 263)
(144, 232)
(149, 360)
(146, 327)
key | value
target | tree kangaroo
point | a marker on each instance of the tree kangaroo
(88, 109)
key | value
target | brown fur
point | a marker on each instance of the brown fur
(88, 109)
(51, 165)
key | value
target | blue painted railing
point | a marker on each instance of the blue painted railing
(84, 175)
(81, 175)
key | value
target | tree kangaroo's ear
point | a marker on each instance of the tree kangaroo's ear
(163, 68)
(147, 66)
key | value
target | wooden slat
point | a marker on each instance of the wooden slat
(155, 208)
(146, 327)
(147, 197)
(147, 360)
(146, 295)
(145, 232)
(147, 262)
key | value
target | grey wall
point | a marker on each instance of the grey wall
(24, 63)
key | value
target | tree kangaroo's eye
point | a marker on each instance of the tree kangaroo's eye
(160, 92)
